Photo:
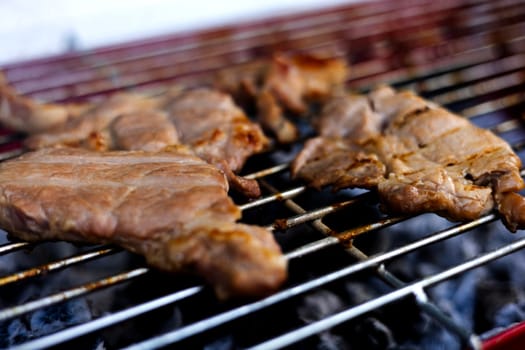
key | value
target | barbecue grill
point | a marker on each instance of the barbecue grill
(358, 278)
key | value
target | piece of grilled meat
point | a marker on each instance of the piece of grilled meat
(171, 207)
(419, 156)
(218, 131)
(26, 115)
(206, 120)
(283, 83)
(92, 129)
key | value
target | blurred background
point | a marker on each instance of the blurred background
(31, 29)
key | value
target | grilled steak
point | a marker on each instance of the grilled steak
(206, 120)
(420, 157)
(149, 130)
(92, 129)
(218, 131)
(23, 114)
(171, 207)
(283, 84)
(333, 161)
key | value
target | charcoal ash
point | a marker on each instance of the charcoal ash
(147, 325)
(367, 332)
(509, 314)
(319, 305)
(223, 343)
(43, 322)
(481, 300)
(478, 299)
(56, 317)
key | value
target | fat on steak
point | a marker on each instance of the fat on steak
(170, 207)
(420, 157)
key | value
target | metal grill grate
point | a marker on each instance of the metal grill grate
(468, 56)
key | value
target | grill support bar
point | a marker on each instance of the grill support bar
(331, 321)
(106, 321)
(209, 323)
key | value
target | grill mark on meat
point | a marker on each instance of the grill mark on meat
(178, 216)
(435, 161)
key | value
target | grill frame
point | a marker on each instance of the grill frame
(452, 61)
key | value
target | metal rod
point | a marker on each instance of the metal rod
(338, 318)
(139, 78)
(481, 88)
(471, 73)
(12, 247)
(315, 25)
(106, 321)
(374, 261)
(56, 265)
(268, 171)
(70, 293)
(494, 105)
(273, 198)
(283, 224)
(10, 154)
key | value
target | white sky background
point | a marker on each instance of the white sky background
(36, 28)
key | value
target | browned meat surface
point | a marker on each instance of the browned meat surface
(332, 161)
(283, 84)
(206, 120)
(341, 155)
(91, 129)
(271, 118)
(242, 82)
(218, 130)
(171, 207)
(26, 115)
(147, 131)
(350, 117)
(430, 159)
